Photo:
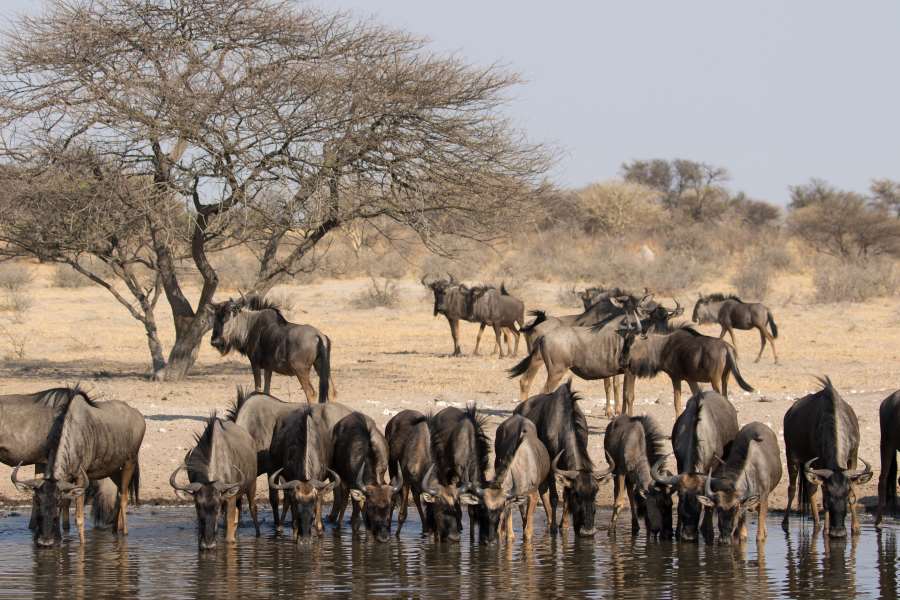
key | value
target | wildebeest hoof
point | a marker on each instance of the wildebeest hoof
(784, 525)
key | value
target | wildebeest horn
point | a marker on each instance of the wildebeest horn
(28, 483)
(657, 476)
(427, 482)
(823, 473)
(678, 310)
(335, 479)
(360, 484)
(222, 486)
(858, 473)
(399, 485)
(708, 491)
(187, 489)
(452, 279)
(562, 473)
(284, 485)
(610, 468)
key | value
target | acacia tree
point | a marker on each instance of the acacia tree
(693, 188)
(272, 125)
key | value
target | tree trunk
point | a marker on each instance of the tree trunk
(156, 350)
(189, 334)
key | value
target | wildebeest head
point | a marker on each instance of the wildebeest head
(376, 500)
(47, 494)
(730, 507)
(493, 502)
(473, 295)
(305, 498)
(689, 487)
(208, 500)
(658, 318)
(440, 288)
(224, 312)
(444, 502)
(580, 493)
(837, 491)
(702, 311)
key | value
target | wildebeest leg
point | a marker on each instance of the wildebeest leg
(124, 482)
(854, 519)
(762, 512)
(887, 479)
(525, 381)
(793, 470)
(610, 410)
(454, 331)
(472, 523)
(762, 343)
(354, 516)
(306, 384)
(554, 502)
(510, 532)
(257, 377)
(553, 379)
(338, 505)
(628, 393)
(733, 341)
(230, 520)
(618, 502)
(478, 339)
(251, 503)
(676, 391)
(518, 335)
(814, 506)
(632, 504)
(79, 517)
(549, 511)
(707, 527)
(319, 527)
(422, 517)
(404, 504)
(273, 502)
(498, 342)
(267, 376)
(528, 525)
(32, 521)
(64, 506)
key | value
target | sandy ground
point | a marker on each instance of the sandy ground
(386, 360)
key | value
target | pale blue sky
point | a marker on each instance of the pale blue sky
(776, 91)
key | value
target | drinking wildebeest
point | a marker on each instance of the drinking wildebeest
(258, 413)
(743, 483)
(489, 306)
(409, 450)
(821, 436)
(563, 429)
(701, 436)
(733, 313)
(301, 447)
(522, 472)
(360, 458)
(255, 327)
(89, 440)
(220, 469)
(460, 452)
(634, 444)
(26, 421)
(889, 419)
(683, 354)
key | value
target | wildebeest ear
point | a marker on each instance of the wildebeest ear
(427, 498)
(615, 302)
(864, 478)
(813, 478)
(358, 495)
(231, 491)
(706, 501)
(468, 499)
(750, 503)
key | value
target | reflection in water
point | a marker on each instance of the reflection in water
(160, 560)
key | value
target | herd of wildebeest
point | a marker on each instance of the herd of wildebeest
(84, 448)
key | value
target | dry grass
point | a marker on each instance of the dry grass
(375, 295)
(66, 277)
(14, 276)
(839, 281)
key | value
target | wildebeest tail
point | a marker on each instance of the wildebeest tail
(540, 317)
(731, 364)
(103, 494)
(323, 351)
(771, 321)
(134, 487)
(519, 369)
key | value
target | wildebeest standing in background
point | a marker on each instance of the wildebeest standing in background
(563, 429)
(522, 473)
(731, 313)
(409, 450)
(489, 306)
(450, 300)
(255, 327)
(684, 354)
(88, 441)
(701, 437)
(258, 413)
(821, 437)
(360, 458)
(634, 444)
(743, 482)
(221, 467)
(889, 419)
(301, 447)
(26, 421)
(460, 452)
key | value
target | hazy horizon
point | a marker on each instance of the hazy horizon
(775, 92)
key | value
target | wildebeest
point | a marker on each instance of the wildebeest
(361, 459)
(634, 444)
(821, 437)
(522, 473)
(489, 306)
(889, 419)
(451, 299)
(409, 450)
(88, 440)
(255, 327)
(460, 452)
(258, 413)
(731, 313)
(301, 446)
(701, 437)
(221, 467)
(562, 428)
(743, 482)
(26, 421)
(683, 354)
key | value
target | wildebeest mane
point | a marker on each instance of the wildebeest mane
(201, 453)
(61, 396)
(232, 412)
(482, 443)
(575, 416)
(718, 297)
(257, 302)
(654, 439)
(827, 432)
(686, 327)
(503, 289)
(57, 428)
